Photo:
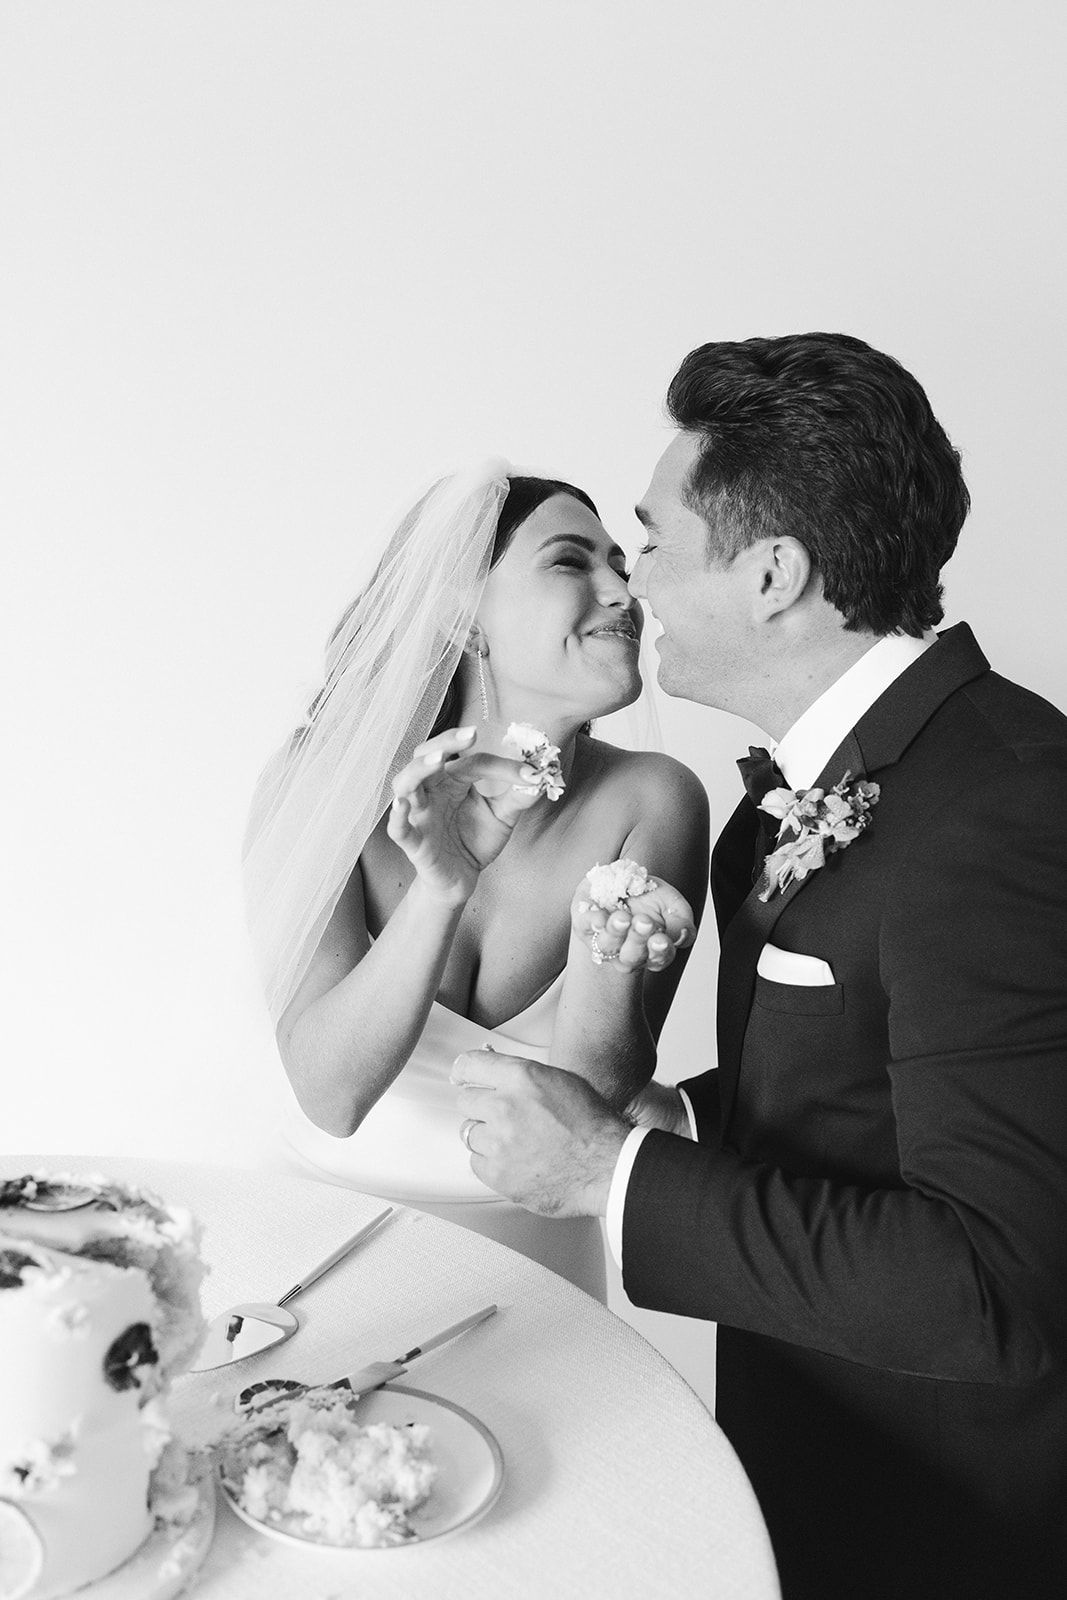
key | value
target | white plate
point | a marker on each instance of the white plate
(470, 1469)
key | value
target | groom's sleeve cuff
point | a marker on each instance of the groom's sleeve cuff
(690, 1113)
(617, 1193)
(621, 1178)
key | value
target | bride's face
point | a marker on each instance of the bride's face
(558, 620)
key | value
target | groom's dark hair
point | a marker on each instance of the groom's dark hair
(819, 436)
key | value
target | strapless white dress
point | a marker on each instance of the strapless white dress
(408, 1147)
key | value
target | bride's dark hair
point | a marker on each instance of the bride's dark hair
(522, 500)
(524, 496)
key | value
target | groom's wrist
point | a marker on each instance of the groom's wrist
(597, 1188)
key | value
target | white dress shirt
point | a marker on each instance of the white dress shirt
(801, 756)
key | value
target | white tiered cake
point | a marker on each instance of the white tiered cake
(99, 1310)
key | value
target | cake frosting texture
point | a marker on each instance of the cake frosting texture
(306, 1466)
(99, 1309)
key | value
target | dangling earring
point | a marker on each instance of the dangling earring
(481, 685)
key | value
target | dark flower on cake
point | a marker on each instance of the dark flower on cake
(13, 1264)
(127, 1354)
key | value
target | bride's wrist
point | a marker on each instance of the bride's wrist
(446, 903)
(659, 1105)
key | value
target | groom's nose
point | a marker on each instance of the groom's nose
(637, 576)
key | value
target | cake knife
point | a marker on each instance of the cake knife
(259, 1395)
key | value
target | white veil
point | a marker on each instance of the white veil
(389, 663)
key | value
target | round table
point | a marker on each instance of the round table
(618, 1482)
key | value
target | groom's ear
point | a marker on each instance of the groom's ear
(785, 574)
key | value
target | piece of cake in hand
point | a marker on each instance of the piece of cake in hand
(533, 746)
(99, 1309)
(305, 1466)
(612, 886)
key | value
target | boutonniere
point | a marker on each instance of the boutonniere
(819, 823)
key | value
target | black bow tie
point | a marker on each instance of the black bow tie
(760, 776)
(759, 773)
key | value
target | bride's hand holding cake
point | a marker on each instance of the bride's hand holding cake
(454, 809)
(626, 916)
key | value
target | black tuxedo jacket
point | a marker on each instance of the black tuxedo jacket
(876, 1213)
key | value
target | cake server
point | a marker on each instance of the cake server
(259, 1395)
(247, 1329)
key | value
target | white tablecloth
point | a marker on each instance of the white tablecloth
(618, 1482)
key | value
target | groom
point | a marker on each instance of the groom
(869, 1196)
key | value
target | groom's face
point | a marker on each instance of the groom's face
(704, 606)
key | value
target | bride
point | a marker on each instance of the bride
(412, 888)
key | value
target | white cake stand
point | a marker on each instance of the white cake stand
(166, 1561)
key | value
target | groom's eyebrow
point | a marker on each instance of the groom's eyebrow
(645, 518)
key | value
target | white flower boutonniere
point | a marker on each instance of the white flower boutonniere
(819, 823)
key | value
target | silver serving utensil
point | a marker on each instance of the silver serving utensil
(72, 1197)
(247, 1329)
(50, 1194)
(258, 1396)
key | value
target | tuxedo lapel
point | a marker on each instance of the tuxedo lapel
(878, 741)
(749, 930)
(731, 864)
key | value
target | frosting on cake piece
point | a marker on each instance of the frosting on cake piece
(306, 1466)
(616, 883)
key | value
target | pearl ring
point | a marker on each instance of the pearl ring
(601, 956)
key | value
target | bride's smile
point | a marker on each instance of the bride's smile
(557, 625)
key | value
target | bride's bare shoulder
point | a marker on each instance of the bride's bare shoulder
(660, 809)
(649, 777)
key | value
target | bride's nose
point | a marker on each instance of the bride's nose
(613, 589)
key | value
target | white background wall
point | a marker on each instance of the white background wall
(267, 264)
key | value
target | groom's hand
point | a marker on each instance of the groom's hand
(541, 1136)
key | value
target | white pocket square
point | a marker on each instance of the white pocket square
(787, 966)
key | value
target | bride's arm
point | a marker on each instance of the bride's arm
(610, 1019)
(358, 1013)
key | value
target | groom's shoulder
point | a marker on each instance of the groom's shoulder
(990, 737)
(1024, 707)
(1012, 717)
